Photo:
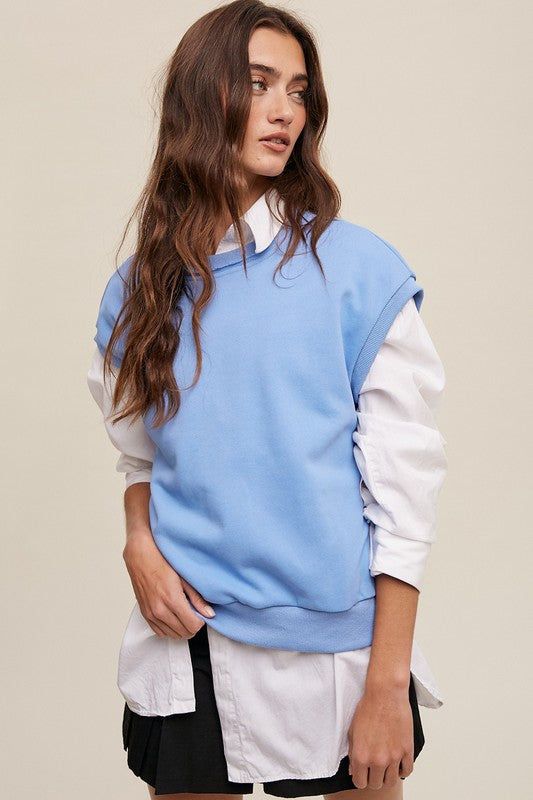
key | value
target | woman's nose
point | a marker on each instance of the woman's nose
(280, 108)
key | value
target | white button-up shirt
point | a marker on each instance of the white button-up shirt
(267, 697)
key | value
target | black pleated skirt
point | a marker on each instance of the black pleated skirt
(185, 753)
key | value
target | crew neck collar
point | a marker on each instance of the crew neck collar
(234, 256)
(260, 229)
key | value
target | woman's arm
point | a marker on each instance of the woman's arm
(392, 640)
(400, 454)
(399, 449)
(381, 732)
(136, 508)
(160, 591)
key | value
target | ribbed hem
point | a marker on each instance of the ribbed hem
(296, 628)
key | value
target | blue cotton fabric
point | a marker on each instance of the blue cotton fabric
(255, 495)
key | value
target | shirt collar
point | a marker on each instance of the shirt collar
(259, 225)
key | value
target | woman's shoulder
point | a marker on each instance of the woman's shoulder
(114, 288)
(111, 303)
(363, 237)
(363, 246)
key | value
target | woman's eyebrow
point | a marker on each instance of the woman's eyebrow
(298, 76)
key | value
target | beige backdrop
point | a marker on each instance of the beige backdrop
(430, 142)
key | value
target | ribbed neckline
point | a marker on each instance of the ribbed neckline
(225, 259)
(234, 256)
(231, 257)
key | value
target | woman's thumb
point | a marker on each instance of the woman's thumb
(197, 600)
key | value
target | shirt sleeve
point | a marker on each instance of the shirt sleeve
(399, 450)
(136, 448)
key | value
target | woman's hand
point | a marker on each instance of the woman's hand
(160, 591)
(381, 745)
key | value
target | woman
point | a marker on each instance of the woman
(273, 391)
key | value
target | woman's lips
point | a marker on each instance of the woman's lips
(276, 146)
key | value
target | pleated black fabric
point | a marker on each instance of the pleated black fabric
(185, 752)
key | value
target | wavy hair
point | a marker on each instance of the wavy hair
(196, 176)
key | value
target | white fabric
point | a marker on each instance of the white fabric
(266, 697)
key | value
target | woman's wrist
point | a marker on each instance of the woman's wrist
(138, 532)
(139, 542)
(389, 666)
(381, 680)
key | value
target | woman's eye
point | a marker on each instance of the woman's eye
(302, 93)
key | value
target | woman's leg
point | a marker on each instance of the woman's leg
(385, 793)
(188, 796)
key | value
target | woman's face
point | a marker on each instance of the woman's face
(278, 104)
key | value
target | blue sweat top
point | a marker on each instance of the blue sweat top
(255, 495)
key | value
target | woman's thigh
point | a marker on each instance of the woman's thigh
(189, 796)
(385, 793)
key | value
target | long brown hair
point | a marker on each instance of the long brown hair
(197, 176)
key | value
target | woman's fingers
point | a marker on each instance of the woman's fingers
(156, 629)
(197, 600)
(360, 776)
(158, 589)
(179, 611)
(406, 765)
(173, 614)
(392, 774)
(376, 775)
(380, 739)
(166, 623)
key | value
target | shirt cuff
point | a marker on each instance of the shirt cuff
(137, 470)
(398, 556)
(139, 476)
